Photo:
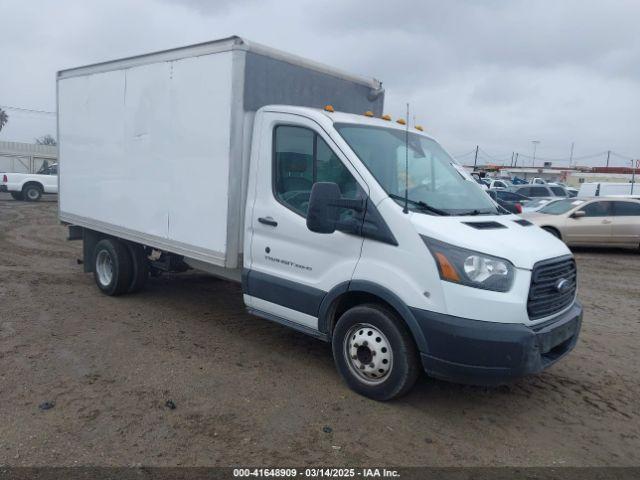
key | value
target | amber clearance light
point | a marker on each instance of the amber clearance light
(448, 270)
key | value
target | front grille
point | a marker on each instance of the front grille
(544, 297)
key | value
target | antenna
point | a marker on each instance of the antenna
(406, 164)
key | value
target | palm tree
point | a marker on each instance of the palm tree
(4, 118)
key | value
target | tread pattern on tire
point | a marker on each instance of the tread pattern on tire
(28, 187)
(405, 350)
(140, 267)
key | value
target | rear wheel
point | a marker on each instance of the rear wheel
(112, 267)
(139, 266)
(32, 192)
(17, 195)
(374, 352)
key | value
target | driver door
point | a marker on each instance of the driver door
(292, 268)
(594, 228)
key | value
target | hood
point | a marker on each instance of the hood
(523, 246)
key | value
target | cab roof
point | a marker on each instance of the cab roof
(325, 117)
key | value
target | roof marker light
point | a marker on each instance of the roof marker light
(419, 128)
(401, 121)
(368, 113)
(329, 108)
(386, 117)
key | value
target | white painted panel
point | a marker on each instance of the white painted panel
(282, 312)
(147, 149)
(198, 173)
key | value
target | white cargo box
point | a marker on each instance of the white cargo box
(155, 148)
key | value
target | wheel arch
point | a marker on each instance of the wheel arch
(357, 292)
(32, 182)
(555, 229)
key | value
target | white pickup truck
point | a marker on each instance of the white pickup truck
(31, 186)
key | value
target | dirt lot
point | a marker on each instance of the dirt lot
(248, 391)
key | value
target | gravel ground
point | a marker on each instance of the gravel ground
(247, 391)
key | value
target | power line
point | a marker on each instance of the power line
(571, 160)
(28, 110)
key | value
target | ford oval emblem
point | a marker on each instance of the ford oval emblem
(563, 285)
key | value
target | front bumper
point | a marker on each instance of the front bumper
(489, 353)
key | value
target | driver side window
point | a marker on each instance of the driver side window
(301, 158)
(596, 209)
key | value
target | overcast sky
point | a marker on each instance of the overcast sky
(495, 73)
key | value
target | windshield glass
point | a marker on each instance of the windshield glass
(561, 206)
(434, 178)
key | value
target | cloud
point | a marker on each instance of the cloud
(494, 73)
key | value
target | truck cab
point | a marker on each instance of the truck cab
(366, 222)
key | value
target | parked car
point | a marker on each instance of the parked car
(572, 192)
(518, 181)
(480, 180)
(598, 222)
(604, 189)
(498, 183)
(508, 200)
(550, 191)
(537, 203)
(31, 186)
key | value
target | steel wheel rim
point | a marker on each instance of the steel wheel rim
(368, 353)
(32, 193)
(104, 267)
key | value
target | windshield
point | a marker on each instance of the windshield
(434, 178)
(561, 206)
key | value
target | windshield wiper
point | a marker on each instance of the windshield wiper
(420, 204)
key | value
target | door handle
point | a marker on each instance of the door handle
(268, 221)
(606, 222)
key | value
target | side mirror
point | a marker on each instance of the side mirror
(325, 203)
(578, 214)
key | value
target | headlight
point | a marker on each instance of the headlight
(474, 269)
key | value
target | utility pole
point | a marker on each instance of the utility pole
(608, 155)
(571, 154)
(535, 145)
(512, 154)
(516, 160)
(475, 160)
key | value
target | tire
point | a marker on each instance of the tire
(17, 195)
(375, 337)
(140, 267)
(112, 269)
(32, 192)
(552, 231)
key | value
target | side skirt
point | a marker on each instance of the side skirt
(288, 323)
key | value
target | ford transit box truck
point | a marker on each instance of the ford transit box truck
(284, 175)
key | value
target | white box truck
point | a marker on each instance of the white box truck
(337, 221)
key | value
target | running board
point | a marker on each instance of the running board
(288, 323)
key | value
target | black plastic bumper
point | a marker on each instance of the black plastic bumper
(489, 353)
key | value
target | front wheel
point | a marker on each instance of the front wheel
(375, 353)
